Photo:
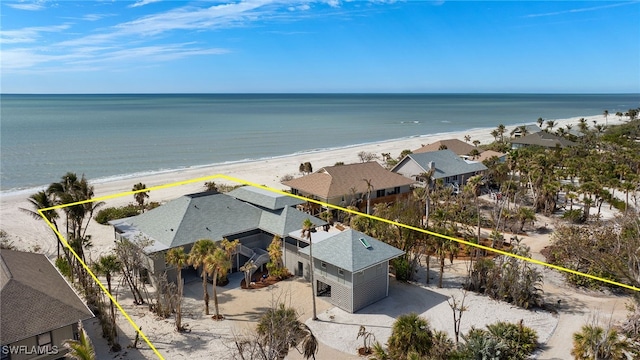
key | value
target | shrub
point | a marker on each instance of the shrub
(63, 266)
(574, 216)
(113, 213)
(403, 269)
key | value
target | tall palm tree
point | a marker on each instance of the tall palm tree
(369, 188)
(550, 125)
(247, 268)
(198, 253)
(140, 196)
(81, 349)
(307, 226)
(501, 130)
(216, 264)
(606, 116)
(108, 265)
(178, 258)
(540, 121)
(43, 200)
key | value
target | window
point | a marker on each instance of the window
(380, 193)
(340, 272)
(323, 265)
(44, 342)
(396, 190)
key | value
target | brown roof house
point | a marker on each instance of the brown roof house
(38, 308)
(459, 147)
(541, 138)
(346, 185)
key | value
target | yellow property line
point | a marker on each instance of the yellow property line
(241, 181)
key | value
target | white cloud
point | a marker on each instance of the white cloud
(333, 3)
(28, 6)
(142, 3)
(579, 10)
(29, 34)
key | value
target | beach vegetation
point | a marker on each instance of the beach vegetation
(277, 332)
(210, 186)
(80, 349)
(197, 255)
(305, 168)
(108, 265)
(307, 227)
(275, 266)
(43, 200)
(113, 213)
(131, 257)
(366, 156)
(5, 241)
(501, 340)
(597, 342)
(140, 195)
(412, 338)
(216, 264)
(178, 258)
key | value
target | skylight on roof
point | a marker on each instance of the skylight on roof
(365, 243)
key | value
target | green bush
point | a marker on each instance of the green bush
(403, 270)
(63, 266)
(113, 213)
(574, 216)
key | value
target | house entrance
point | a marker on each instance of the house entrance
(300, 270)
(323, 289)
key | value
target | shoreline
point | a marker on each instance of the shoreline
(482, 134)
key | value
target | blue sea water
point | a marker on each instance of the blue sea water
(114, 136)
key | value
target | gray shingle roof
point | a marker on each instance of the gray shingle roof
(264, 198)
(192, 217)
(34, 298)
(345, 251)
(332, 181)
(544, 139)
(284, 221)
(446, 162)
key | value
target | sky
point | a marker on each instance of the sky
(322, 46)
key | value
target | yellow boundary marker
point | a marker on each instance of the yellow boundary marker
(241, 181)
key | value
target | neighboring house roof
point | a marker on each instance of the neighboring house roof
(544, 139)
(489, 154)
(264, 198)
(446, 164)
(333, 181)
(345, 251)
(209, 215)
(528, 129)
(34, 297)
(457, 146)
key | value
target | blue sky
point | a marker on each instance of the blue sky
(217, 46)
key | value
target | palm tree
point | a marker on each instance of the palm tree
(606, 116)
(550, 125)
(594, 342)
(307, 226)
(81, 349)
(108, 265)
(467, 138)
(178, 258)
(540, 121)
(525, 214)
(501, 129)
(44, 200)
(476, 142)
(216, 264)
(140, 195)
(369, 188)
(279, 330)
(198, 253)
(410, 333)
(248, 268)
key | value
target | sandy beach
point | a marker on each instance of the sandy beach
(209, 338)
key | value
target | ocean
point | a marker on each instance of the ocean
(109, 137)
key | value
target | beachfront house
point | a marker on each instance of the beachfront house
(524, 130)
(252, 215)
(352, 184)
(445, 164)
(460, 148)
(541, 138)
(38, 308)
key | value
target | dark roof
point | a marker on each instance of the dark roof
(457, 146)
(34, 297)
(213, 216)
(333, 181)
(345, 251)
(544, 139)
(264, 198)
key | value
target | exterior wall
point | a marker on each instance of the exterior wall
(292, 257)
(370, 285)
(409, 169)
(341, 294)
(30, 344)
